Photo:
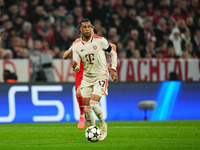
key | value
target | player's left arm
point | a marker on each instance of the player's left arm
(108, 48)
(114, 47)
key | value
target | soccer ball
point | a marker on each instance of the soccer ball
(92, 133)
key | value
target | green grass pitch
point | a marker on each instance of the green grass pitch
(137, 135)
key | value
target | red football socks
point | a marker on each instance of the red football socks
(81, 105)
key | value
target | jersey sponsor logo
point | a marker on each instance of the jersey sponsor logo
(94, 47)
(90, 58)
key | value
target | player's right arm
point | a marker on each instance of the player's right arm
(76, 60)
(114, 47)
(67, 53)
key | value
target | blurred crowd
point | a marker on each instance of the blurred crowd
(139, 28)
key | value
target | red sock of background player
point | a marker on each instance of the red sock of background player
(81, 105)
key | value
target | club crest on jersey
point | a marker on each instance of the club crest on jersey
(94, 47)
(82, 50)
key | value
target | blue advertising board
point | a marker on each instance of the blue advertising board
(57, 102)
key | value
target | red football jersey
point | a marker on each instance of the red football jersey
(79, 75)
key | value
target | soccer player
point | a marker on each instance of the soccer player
(78, 79)
(91, 50)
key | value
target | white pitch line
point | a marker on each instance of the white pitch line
(136, 127)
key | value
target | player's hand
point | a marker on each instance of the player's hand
(113, 75)
(74, 64)
(109, 67)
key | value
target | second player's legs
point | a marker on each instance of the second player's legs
(80, 101)
(81, 123)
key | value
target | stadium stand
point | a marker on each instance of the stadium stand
(137, 27)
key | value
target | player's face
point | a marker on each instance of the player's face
(86, 29)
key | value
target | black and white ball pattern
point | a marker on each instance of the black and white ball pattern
(93, 133)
